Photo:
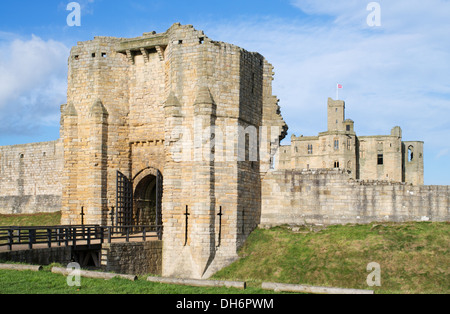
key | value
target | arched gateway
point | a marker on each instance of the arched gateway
(139, 200)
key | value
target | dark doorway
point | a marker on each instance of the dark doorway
(143, 206)
(147, 201)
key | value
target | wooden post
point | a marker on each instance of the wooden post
(311, 289)
(30, 238)
(66, 231)
(94, 274)
(10, 238)
(74, 236)
(20, 267)
(49, 237)
(88, 236)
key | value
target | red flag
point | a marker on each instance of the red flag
(340, 86)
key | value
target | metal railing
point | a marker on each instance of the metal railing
(74, 235)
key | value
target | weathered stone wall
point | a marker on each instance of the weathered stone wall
(331, 197)
(137, 258)
(95, 129)
(30, 178)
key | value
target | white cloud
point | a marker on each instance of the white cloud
(33, 84)
(442, 153)
(396, 74)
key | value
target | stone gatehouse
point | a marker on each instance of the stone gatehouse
(178, 130)
(141, 131)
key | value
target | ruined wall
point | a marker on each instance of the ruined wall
(378, 157)
(30, 178)
(381, 158)
(413, 161)
(330, 197)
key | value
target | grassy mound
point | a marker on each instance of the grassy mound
(414, 257)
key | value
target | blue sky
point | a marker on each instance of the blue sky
(397, 73)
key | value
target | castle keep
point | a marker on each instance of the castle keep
(379, 157)
(178, 130)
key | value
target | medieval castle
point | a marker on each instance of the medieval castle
(379, 157)
(178, 130)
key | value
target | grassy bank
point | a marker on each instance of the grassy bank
(45, 282)
(414, 257)
(52, 219)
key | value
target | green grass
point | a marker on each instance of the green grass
(52, 219)
(414, 257)
(45, 282)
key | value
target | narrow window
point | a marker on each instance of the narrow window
(348, 128)
(336, 144)
(380, 159)
(336, 164)
(93, 55)
(410, 153)
(310, 149)
(76, 57)
(180, 42)
(201, 40)
(104, 55)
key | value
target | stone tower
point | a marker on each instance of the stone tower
(336, 115)
(178, 108)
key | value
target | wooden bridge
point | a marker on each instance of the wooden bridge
(85, 241)
(28, 238)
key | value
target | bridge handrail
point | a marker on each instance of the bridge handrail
(70, 234)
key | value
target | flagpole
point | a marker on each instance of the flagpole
(338, 87)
